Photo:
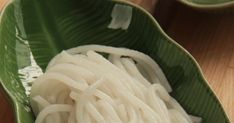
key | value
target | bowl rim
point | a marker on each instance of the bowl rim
(15, 103)
(209, 7)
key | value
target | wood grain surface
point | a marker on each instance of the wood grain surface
(209, 37)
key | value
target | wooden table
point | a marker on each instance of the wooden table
(209, 37)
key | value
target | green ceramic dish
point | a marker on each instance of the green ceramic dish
(46, 27)
(209, 4)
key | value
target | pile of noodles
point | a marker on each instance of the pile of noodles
(82, 86)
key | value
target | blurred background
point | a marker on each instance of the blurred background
(207, 35)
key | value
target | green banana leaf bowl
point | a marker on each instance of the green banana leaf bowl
(39, 29)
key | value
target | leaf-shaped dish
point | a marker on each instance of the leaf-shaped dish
(45, 27)
(209, 4)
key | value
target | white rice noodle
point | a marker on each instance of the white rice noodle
(81, 86)
(175, 105)
(141, 58)
(132, 70)
(177, 117)
(195, 119)
(52, 109)
(115, 59)
(121, 17)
